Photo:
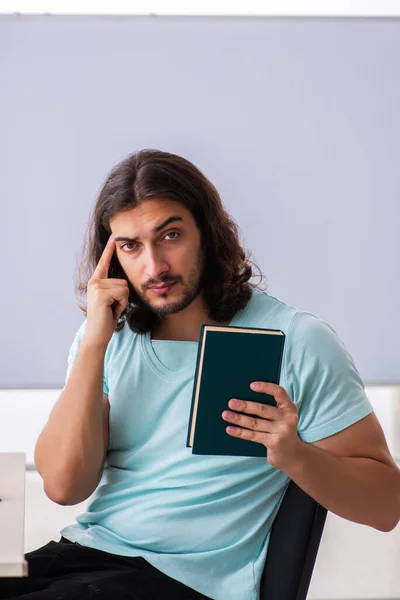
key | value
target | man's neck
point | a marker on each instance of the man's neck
(183, 332)
(185, 325)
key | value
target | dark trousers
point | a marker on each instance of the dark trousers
(66, 570)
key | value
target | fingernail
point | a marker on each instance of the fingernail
(255, 386)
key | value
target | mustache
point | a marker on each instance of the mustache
(159, 283)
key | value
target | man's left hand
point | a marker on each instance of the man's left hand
(273, 426)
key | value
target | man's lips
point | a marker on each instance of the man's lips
(161, 287)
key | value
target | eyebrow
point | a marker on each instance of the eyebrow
(155, 230)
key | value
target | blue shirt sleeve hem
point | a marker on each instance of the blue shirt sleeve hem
(338, 424)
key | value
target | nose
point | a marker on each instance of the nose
(155, 267)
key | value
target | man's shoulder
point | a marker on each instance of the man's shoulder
(265, 310)
(302, 326)
(124, 336)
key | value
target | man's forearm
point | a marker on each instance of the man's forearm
(362, 490)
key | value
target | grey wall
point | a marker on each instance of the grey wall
(294, 120)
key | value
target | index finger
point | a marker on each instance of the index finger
(281, 396)
(101, 271)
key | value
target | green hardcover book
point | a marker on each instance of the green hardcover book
(229, 359)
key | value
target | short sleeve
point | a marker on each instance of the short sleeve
(322, 379)
(73, 352)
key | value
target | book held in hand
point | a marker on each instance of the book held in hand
(229, 359)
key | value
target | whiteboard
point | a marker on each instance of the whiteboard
(295, 120)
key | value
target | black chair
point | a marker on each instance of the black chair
(295, 536)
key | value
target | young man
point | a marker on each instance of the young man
(164, 257)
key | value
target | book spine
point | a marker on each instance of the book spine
(196, 374)
(281, 358)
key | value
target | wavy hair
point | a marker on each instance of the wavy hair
(149, 174)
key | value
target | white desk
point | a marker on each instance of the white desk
(12, 514)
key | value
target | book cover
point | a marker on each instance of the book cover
(229, 359)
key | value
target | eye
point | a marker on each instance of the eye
(172, 233)
(128, 244)
(134, 244)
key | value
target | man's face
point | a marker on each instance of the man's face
(166, 249)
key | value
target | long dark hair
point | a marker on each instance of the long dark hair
(155, 174)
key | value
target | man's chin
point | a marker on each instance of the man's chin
(169, 307)
(162, 304)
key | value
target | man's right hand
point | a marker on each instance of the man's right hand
(102, 294)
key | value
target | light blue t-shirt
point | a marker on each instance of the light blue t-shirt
(204, 520)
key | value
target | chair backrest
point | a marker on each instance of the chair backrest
(293, 546)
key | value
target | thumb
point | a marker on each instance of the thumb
(119, 309)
